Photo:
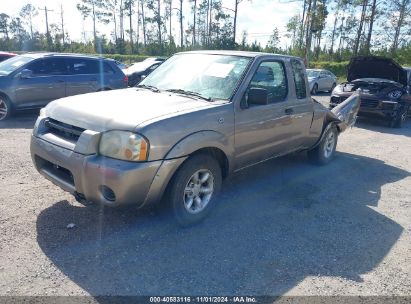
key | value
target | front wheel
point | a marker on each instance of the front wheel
(5, 108)
(325, 151)
(314, 91)
(399, 119)
(193, 190)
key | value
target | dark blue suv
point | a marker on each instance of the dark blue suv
(33, 80)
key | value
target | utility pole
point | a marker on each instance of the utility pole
(47, 25)
(62, 23)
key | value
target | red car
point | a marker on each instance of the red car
(6, 55)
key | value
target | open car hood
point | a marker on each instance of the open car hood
(376, 67)
(346, 112)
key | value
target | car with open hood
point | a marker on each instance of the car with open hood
(384, 85)
(191, 123)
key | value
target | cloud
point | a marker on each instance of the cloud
(259, 18)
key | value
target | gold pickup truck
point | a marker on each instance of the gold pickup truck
(191, 123)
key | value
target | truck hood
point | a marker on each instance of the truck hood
(119, 109)
(376, 67)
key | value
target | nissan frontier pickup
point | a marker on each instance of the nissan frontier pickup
(185, 128)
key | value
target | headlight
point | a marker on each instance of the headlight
(124, 145)
(395, 94)
(42, 113)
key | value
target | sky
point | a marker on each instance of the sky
(257, 17)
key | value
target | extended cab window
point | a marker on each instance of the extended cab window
(299, 78)
(271, 75)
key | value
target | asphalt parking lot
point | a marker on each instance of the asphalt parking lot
(285, 227)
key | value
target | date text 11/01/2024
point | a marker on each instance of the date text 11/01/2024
(198, 299)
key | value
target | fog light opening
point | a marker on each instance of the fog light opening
(108, 193)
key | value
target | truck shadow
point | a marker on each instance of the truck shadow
(381, 126)
(276, 224)
(21, 120)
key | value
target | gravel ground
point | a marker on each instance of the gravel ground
(282, 228)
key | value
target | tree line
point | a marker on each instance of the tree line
(322, 30)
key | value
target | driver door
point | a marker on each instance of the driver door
(265, 130)
(46, 83)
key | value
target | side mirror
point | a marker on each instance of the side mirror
(257, 96)
(24, 74)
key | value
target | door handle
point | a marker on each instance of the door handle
(289, 111)
(60, 81)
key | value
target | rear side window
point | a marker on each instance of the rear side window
(299, 78)
(107, 69)
(81, 66)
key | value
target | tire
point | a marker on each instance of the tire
(183, 192)
(6, 108)
(323, 153)
(398, 121)
(314, 91)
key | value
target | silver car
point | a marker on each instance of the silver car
(197, 118)
(321, 81)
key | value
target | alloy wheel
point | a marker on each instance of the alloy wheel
(198, 191)
(3, 109)
(329, 144)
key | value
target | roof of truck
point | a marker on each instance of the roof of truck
(238, 53)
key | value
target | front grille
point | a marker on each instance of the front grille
(63, 130)
(55, 170)
(369, 103)
(337, 99)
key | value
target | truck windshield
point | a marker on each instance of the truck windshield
(210, 76)
(11, 64)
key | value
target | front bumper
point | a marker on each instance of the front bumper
(371, 107)
(100, 179)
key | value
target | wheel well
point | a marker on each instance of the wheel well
(333, 124)
(219, 155)
(104, 89)
(4, 95)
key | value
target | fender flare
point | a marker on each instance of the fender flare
(201, 140)
(327, 125)
(179, 153)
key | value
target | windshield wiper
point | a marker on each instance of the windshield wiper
(189, 93)
(149, 87)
